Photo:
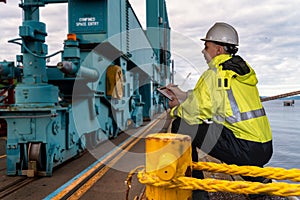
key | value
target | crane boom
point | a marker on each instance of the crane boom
(280, 96)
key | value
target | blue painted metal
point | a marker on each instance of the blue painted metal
(7, 70)
(66, 108)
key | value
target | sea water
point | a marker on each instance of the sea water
(285, 125)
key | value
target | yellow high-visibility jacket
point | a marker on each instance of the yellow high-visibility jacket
(228, 98)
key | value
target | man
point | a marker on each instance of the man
(223, 113)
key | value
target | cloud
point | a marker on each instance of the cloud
(268, 33)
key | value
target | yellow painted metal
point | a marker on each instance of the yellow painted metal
(114, 82)
(168, 156)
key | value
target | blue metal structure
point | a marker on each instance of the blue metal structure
(106, 81)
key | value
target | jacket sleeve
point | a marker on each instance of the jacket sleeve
(202, 102)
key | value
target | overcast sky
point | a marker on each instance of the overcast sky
(269, 34)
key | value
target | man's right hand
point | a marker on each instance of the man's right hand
(180, 95)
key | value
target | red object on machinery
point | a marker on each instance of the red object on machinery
(7, 93)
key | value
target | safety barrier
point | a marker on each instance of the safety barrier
(167, 174)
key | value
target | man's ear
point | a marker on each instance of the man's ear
(222, 49)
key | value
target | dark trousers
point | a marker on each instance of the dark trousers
(218, 141)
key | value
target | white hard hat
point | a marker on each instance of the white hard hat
(223, 33)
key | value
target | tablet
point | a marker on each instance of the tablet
(163, 91)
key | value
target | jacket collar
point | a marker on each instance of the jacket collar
(216, 61)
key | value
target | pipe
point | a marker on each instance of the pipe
(67, 67)
(91, 75)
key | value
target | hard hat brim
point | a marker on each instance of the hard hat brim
(215, 41)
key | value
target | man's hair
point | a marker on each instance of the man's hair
(229, 48)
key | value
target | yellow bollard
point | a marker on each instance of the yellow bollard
(168, 156)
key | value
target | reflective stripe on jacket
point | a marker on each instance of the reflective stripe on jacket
(226, 97)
